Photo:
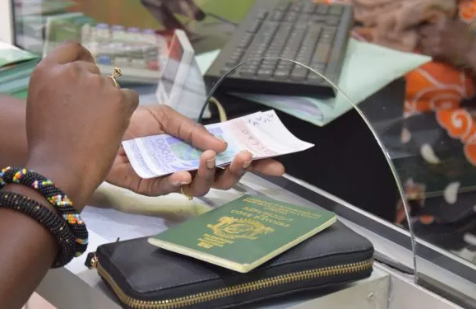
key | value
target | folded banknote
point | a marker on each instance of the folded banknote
(262, 134)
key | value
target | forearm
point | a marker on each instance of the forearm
(12, 132)
(27, 252)
(27, 248)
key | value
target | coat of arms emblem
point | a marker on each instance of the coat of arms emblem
(237, 228)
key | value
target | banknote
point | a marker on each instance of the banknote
(262, 134)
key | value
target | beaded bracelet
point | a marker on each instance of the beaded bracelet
(55, 196)
(49, 219)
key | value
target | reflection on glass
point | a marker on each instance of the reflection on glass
(429, 134)
(432, 138)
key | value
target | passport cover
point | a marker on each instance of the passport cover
(245, 233)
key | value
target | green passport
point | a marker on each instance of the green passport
(245, 233)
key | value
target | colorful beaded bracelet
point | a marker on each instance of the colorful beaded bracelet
(49, 219)
(55, 196)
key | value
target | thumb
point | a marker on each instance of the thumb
(191, 132)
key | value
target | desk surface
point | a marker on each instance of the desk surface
(106, 225)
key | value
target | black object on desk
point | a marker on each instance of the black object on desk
(313, 34)
(346, 161)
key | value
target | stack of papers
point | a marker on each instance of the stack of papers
(367, 68)
(262, 134)
(16, 66)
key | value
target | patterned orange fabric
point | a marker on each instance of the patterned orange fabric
(467, 11)
(439, 87)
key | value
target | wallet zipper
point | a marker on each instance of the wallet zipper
(191, 300)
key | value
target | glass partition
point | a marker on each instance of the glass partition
(307, 108)
(418, 110)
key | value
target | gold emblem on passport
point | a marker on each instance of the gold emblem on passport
(233, 228)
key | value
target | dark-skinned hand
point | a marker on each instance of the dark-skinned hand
(153, 120)
(76, 119)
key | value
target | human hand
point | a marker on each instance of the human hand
(161, 119)
(449, 41)
(75, 121)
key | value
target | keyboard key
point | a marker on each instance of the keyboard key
(329, 29)
(270, 62)
(332, 20)
(233, 61)
(277, 16)
(267, 67)
(245, 41)
(322, 53)
(301, 25)
(253, 64)
(247, 73)
(318, 19)
(322, 9)
(238, 52)
(285, 64)
(308, 8)
(262, 14)
(254, 26)
(326, 36)
(314, 78)
(319, 66)
(224, 70)
(299, 74)
(291, 17)
(336, 10)
(265, 73)
(283, 6)
(282, 74)
(272, 54)
(296, 7)
(248, 69)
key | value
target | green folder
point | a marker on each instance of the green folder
(16, 66)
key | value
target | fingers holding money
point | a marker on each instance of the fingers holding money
(199, 183)
(268, 166)
(228, 177)
(207, 176)
(204, 177)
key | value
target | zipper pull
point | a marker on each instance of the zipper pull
(91, 260)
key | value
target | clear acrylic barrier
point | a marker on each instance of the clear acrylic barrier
(432, 171)
(345, 103)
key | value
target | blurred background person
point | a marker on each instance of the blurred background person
(438, 125)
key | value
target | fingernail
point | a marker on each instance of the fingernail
(179, 183)
(211, 163)
(246, 164)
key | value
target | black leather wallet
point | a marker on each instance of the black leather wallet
(144, 276)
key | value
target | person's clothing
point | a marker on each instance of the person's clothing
(440, 133)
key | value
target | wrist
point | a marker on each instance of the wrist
(67, 180)
(29, 192)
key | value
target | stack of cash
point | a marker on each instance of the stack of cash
(263, 134)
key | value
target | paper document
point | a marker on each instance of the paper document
(367, 69)
(263, 134)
